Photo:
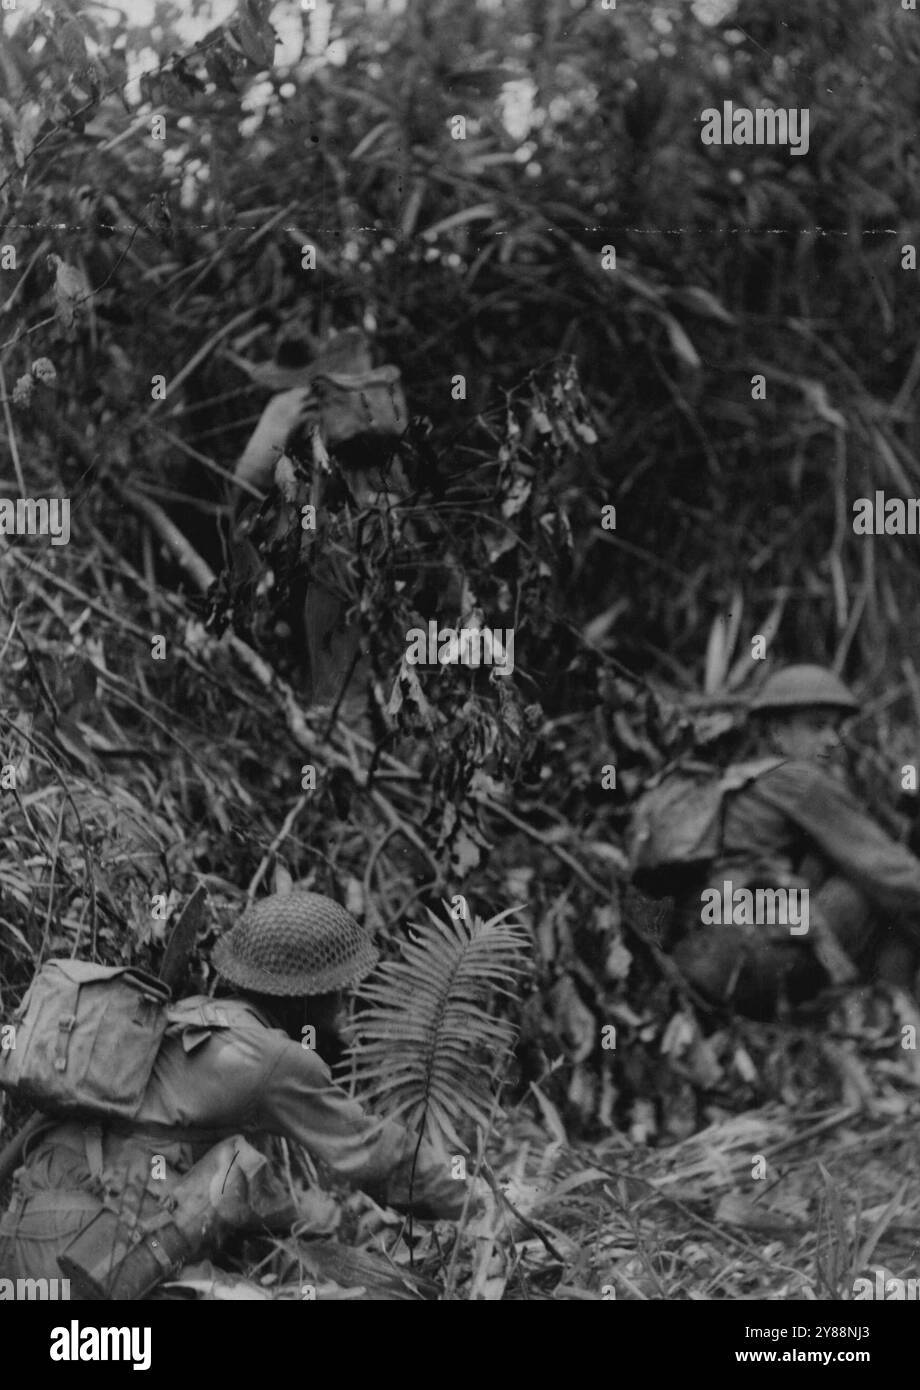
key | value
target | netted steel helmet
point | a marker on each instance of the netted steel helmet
(803, 687)
(295, 943)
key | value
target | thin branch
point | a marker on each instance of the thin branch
(198, 570)
(275, 845)
(11, 435)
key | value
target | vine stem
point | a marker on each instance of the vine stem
(482, 1140)
(11, 435)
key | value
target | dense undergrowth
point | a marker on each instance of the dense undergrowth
(586, 388)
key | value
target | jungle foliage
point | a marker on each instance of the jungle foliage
(586, 388)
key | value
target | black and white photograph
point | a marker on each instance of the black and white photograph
(459, 671)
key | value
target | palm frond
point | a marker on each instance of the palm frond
(427, 1049)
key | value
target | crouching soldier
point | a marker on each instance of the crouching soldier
(360, 413)
(788, 821)
(123, 1204)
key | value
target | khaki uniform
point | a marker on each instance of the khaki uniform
(799, 825)
(222, 1069)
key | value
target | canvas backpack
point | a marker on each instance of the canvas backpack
(85, 1038)
(369, 403)
(679, 821)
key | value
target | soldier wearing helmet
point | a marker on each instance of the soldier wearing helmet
(360, 414)
(798, 823)
(242, 1065)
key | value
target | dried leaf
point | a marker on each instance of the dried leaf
(683, 349)
(617, 962)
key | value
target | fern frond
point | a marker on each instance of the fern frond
(426, 1050)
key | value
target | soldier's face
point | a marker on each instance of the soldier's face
(812, 734)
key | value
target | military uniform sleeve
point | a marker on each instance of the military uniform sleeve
(299, 1100)
(859, 849)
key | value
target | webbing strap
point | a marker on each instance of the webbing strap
(28, 1199)
(156, 1249)
(95, 1161)
(9, 1221)
(66, 1025)
(9, 1224)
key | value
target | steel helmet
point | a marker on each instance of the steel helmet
(801, 687)
(295, 944)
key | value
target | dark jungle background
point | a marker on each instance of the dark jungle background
(586, 387)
